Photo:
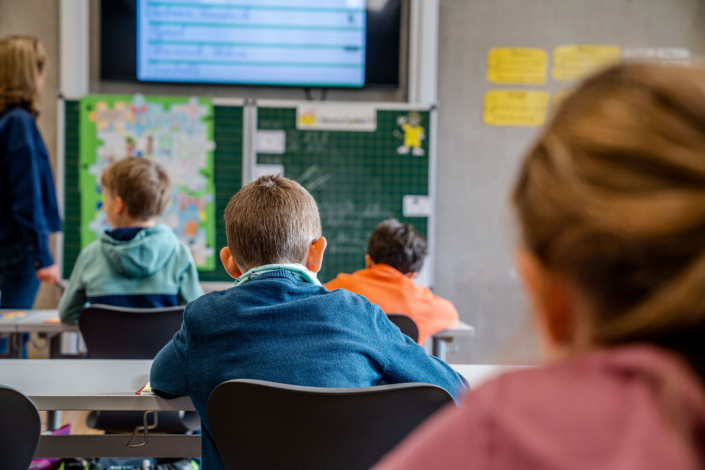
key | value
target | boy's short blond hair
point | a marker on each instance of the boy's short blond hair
(141, 183)
(270, 221)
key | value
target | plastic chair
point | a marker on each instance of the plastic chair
(258, 424)
(406, 325)
(20, 428)
(128, 333)
(132, 333)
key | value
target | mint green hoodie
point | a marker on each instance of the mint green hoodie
(153, 269)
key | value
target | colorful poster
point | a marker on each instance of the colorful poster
(523, 108)
(517, 65)
(175, 131)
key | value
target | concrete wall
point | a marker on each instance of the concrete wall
(39, 18)
(477, 163)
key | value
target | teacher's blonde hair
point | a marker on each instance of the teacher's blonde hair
(22, 59)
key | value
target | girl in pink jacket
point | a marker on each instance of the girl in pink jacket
(611, 204)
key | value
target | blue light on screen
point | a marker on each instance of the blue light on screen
(259, 42)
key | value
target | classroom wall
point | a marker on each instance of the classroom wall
(477, 164)
(39, 18)
(285, 93)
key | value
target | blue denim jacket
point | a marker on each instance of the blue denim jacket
(28, 208)
(280, 329)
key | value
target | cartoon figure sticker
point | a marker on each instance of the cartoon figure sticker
(413, 134)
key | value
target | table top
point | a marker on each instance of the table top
(85, 384)
(93, 384)
(463, 329)
(45, 321)
(477, 374)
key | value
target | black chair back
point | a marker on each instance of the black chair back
(132, 333)
(406, 325)
(258, 424)
(20, 428)
(128, 333)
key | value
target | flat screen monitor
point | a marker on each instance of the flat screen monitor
(311, 43)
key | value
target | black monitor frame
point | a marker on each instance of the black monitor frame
(118, 46)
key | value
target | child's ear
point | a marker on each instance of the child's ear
(229, 263)
(368, 261)
(120, 206)
(315, 255)
(552, 300)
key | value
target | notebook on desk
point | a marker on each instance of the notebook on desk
(12, 314)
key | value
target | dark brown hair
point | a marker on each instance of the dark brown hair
(272, 220)
(397, 245)
(613, 196)
(22, 59)
(142, 184)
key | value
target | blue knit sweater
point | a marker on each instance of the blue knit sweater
(280, 329)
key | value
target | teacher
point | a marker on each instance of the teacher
(28, 208)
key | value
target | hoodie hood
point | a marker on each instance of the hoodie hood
(634, 407)
(142, 256)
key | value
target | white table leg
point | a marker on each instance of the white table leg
(439, 348)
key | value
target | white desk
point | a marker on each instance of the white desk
(477, 374)
(102, 385)
(85, 384)
(441, 338)
(45, 321)
(38, 321)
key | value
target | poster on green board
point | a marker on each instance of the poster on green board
(175, 131)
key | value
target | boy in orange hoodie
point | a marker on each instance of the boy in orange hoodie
(395, 254)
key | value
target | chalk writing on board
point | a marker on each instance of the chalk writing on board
(346, 224)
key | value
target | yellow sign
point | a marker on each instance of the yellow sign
(576, 62)
(517, 65)
(525, 108)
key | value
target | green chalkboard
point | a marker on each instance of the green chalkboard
(357, 178)
(228, 131)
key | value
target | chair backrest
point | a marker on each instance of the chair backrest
(406, 325)
(128, 333)
(20, 428)
(258, 424)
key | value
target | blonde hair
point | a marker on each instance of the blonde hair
(141, 183)
(613, 196)
(22, 59)
(271, 220)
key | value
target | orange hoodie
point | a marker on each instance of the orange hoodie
(396, 293)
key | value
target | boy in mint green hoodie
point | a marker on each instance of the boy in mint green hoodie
(138, 264)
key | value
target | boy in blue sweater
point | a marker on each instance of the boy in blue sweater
(278, 323)
(140, 263)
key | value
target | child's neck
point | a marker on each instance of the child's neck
(133, 223)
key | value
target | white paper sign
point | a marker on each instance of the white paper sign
(336, 117)
(673, 53)
(417, 206)
(268, 169)
(271, 142)
(639, 53)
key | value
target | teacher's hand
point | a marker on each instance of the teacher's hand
(49, 274)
